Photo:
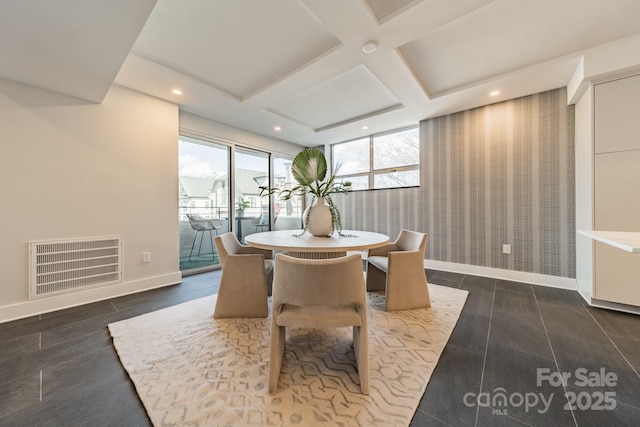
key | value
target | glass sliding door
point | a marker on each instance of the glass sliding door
(203, 201)
(252, 214)
(287, 213)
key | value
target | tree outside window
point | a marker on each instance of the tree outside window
(389, 160)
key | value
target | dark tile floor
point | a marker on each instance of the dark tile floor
(513, 341)
(60, 369)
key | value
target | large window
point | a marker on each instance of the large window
(283, 179)
(389, 160)
(219, 188)
(203, 200)
(251, 208)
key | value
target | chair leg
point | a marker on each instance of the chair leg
(270, 283)
(193, 245)
(213, 255)
(376, 278)
(200, 247)
(278, 336)
(214, 251)
(361, 349)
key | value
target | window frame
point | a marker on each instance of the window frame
(371, 173)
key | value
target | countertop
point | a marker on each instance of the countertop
(626, 240)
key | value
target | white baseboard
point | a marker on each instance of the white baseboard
(610, 305)
(59, 302)
(497, 273)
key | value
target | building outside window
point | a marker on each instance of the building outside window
(203, 184)
(207, 183)
(389, 160)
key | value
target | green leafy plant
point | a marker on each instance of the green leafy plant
(309, 169)
(242, 204)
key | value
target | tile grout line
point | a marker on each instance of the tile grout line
(520, 422)
(612, 342)
(40, 348)
(486, 350)
(432, 416)
(553, 353)
(425, 412)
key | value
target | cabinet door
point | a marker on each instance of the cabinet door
(617, 191)
(617, 208)
(617, 109)
(617, 187)
(617, 275)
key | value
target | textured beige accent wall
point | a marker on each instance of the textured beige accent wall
(499, 174)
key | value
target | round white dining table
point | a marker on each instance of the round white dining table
(308, 246)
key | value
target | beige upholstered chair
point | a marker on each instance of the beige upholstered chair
(398, 269)
(245, 281)
(327, 293)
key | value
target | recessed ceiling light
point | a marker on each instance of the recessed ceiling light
(369, 47)
(365, 127)
(177, 91)
(495, 93)
(277, 128)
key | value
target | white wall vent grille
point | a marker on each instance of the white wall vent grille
(64, 266)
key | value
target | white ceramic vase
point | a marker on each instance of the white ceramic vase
(320, 223)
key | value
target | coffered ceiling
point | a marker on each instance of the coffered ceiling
(300, 64)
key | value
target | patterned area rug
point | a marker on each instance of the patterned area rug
(190, 369)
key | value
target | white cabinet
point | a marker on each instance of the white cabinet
(614, 165)
(617, 119)
(617, 191)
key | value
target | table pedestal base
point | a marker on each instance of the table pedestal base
(316, 255)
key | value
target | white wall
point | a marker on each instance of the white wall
(72, 169)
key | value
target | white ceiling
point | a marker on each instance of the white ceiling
(255, 64)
